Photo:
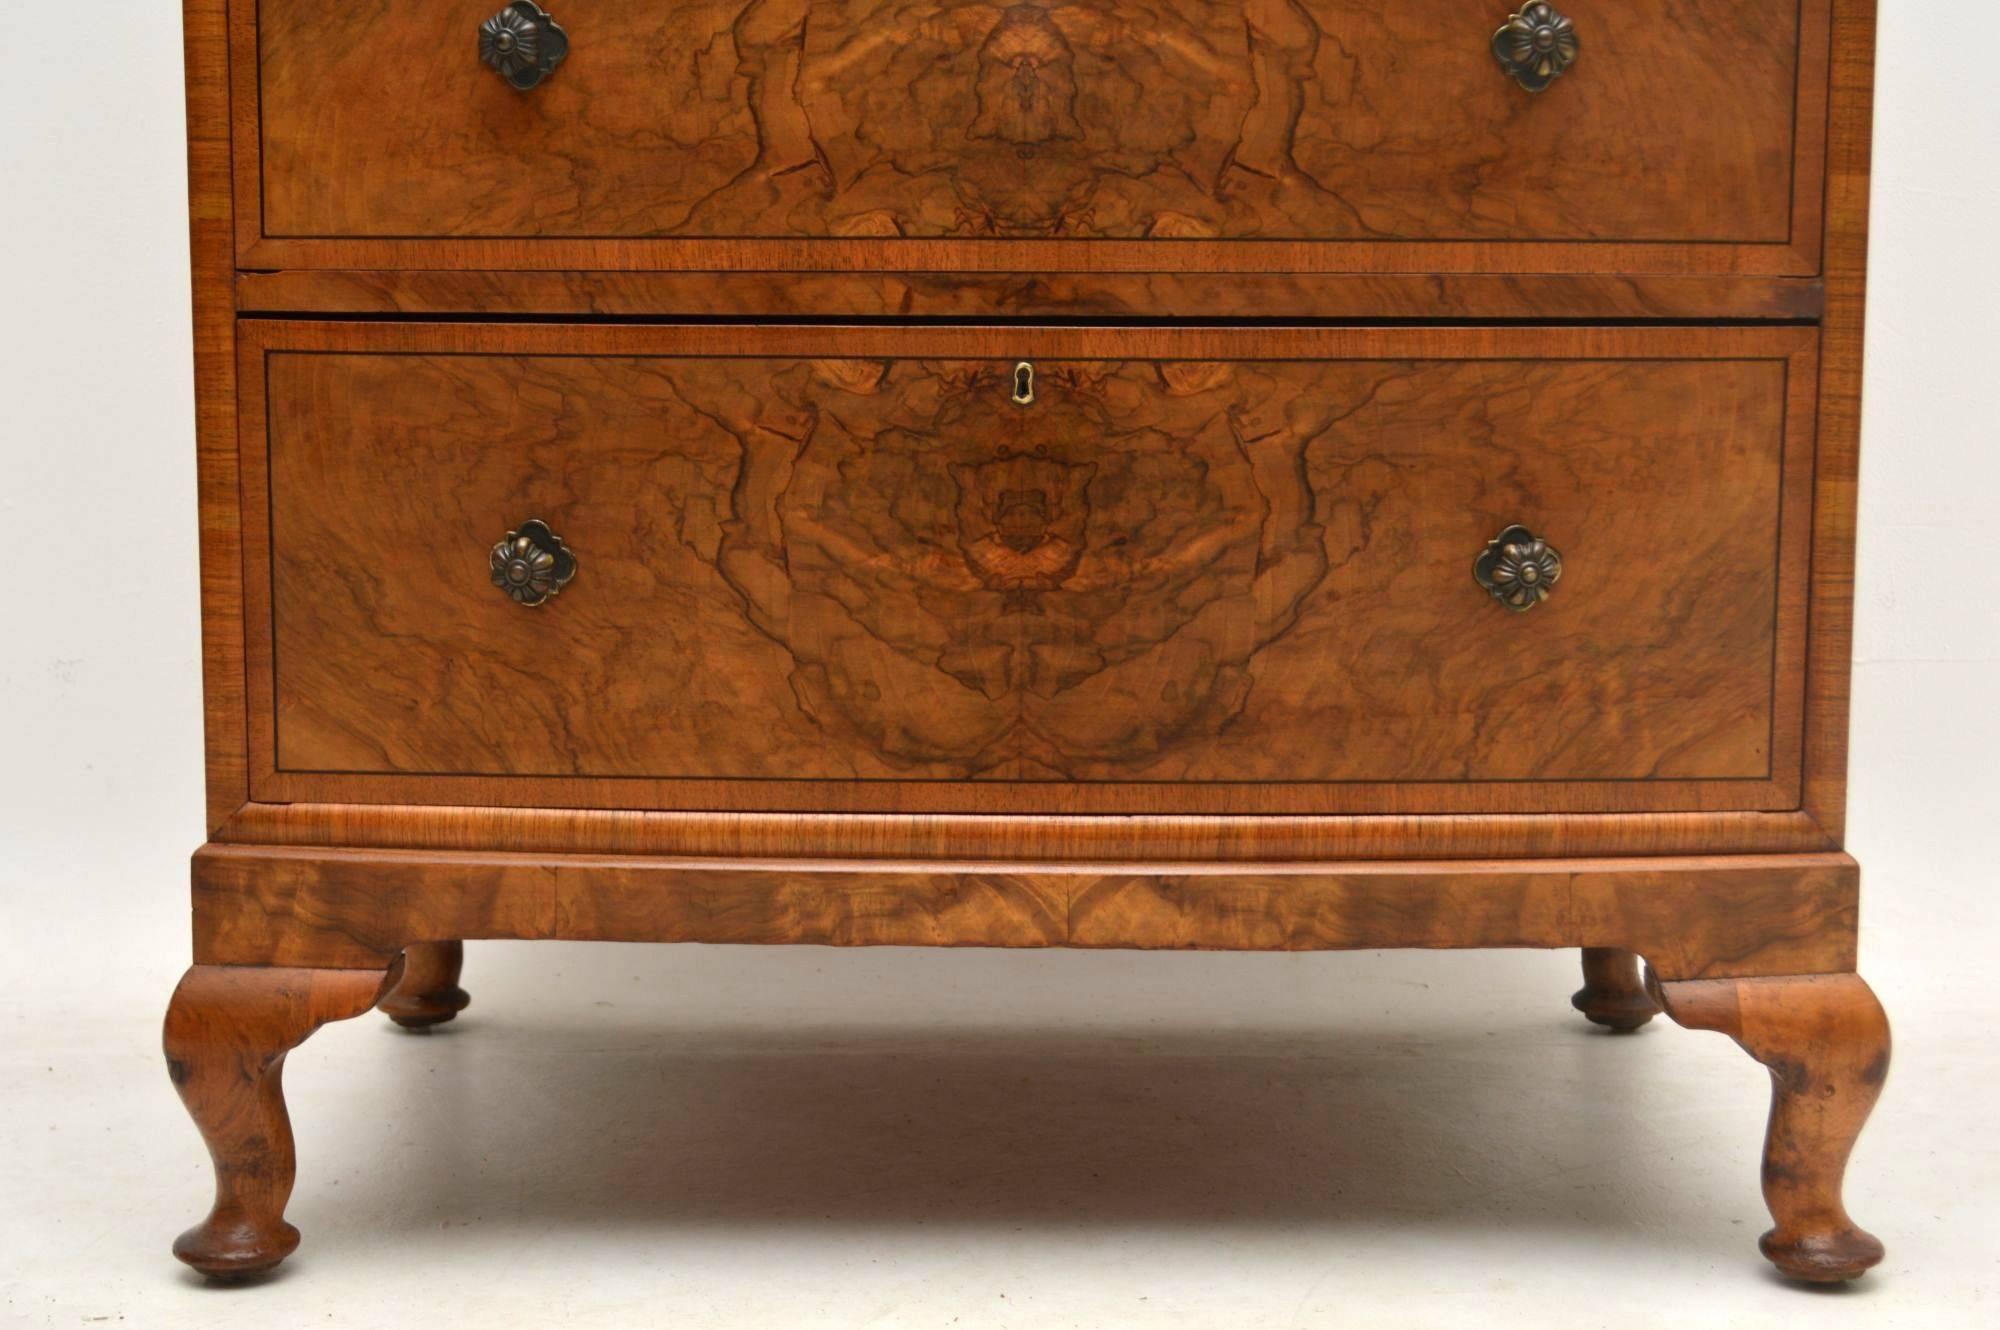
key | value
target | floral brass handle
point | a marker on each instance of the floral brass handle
(532, 564)
(1536, 45)
(1517, 569)
(523, 44)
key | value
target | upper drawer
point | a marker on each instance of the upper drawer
(1302, 135)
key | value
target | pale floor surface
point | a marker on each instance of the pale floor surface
(618, 1136)
(807, 1140)
(718, 1137)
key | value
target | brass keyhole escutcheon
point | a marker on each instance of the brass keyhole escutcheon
(1024, 384)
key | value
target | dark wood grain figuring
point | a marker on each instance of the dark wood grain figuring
(212, 247)
(227, 1032)
(1194, 296)
(1230, 566)
(909, 134)
(1691, 917)
(1825, 1041)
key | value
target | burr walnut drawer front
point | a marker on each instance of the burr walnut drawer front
(1421, 135)
(1388, 570)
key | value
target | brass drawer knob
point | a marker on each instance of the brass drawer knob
(1536, 45)
(1517, 569)
(532, 564)
(523, 44)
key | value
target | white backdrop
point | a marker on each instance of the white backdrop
(100, 745)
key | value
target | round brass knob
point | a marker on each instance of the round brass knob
(1536, 45)
(532, 564)
(523, 44)
(1518, 569)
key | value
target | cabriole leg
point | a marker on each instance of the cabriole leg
(227, 1032)
(428, 993)
(1825, 1041)
(1613, 994)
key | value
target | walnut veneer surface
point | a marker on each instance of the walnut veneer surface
(1187, 574)
(1091, 119)
(1022, 469)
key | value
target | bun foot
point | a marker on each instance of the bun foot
(1613, 995)
(233, 1246)
(227, 1032)
(1825, 1042)
(1822, 1258)
(428, 993)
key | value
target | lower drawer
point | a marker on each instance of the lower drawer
(1214, 571)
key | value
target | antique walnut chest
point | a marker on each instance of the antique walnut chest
(1256, 474)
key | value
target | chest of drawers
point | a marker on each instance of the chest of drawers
(1233, 474)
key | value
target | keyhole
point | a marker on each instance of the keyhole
(1024, 384)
